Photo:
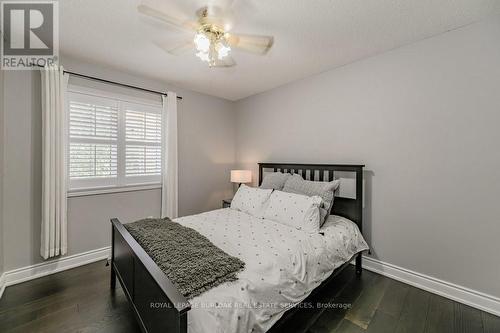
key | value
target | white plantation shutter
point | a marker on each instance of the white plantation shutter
(89, 160)
(143, 160)
(143, 142)
(93, 120)
(113, 143)
(143, 126)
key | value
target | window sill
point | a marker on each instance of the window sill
(108, 190)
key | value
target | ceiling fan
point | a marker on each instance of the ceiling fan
(211, 39)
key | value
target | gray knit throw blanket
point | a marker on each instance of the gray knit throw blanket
(190, 261)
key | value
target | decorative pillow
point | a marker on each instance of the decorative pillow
(275, 180)
(296, 184)
(250, 200)
(295, 210)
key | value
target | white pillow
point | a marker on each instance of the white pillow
(296, 210)
(250, 200)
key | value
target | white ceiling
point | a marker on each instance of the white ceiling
(311, 36)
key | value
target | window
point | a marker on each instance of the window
(143, 142)
(112, 142)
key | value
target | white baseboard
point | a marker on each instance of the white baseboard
(449, 290)
(53, 266)
(2, 284)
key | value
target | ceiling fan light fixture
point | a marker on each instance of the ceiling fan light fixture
(212, 42)
(203, 56)
(222, 50)
(202, 42)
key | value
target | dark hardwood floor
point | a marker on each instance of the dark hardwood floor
(79, 300)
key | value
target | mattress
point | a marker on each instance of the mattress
(283, 266)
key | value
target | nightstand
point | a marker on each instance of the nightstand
(226, 203)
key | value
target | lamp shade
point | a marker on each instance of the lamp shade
(241, 176)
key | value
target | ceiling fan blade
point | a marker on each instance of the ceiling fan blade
(159, 15)
(225, 62)
(177, 49)
(251, 43)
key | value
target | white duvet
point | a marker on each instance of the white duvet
(283, 265)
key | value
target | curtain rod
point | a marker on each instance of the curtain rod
(118, 83)
(88, 77)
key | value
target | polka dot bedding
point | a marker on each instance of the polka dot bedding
(297, 211)
(250, 200)
(283, 266)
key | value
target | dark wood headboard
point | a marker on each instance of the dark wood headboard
(348, 208)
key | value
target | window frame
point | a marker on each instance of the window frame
(121, 183)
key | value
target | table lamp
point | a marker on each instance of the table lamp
(241, 176)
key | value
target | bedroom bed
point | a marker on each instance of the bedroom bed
(283, 265)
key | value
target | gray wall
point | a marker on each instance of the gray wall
(1, 171)
(206, 154)
(424, 119)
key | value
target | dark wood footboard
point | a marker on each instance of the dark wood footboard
(157, 304)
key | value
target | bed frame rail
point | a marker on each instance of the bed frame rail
(157, 304)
